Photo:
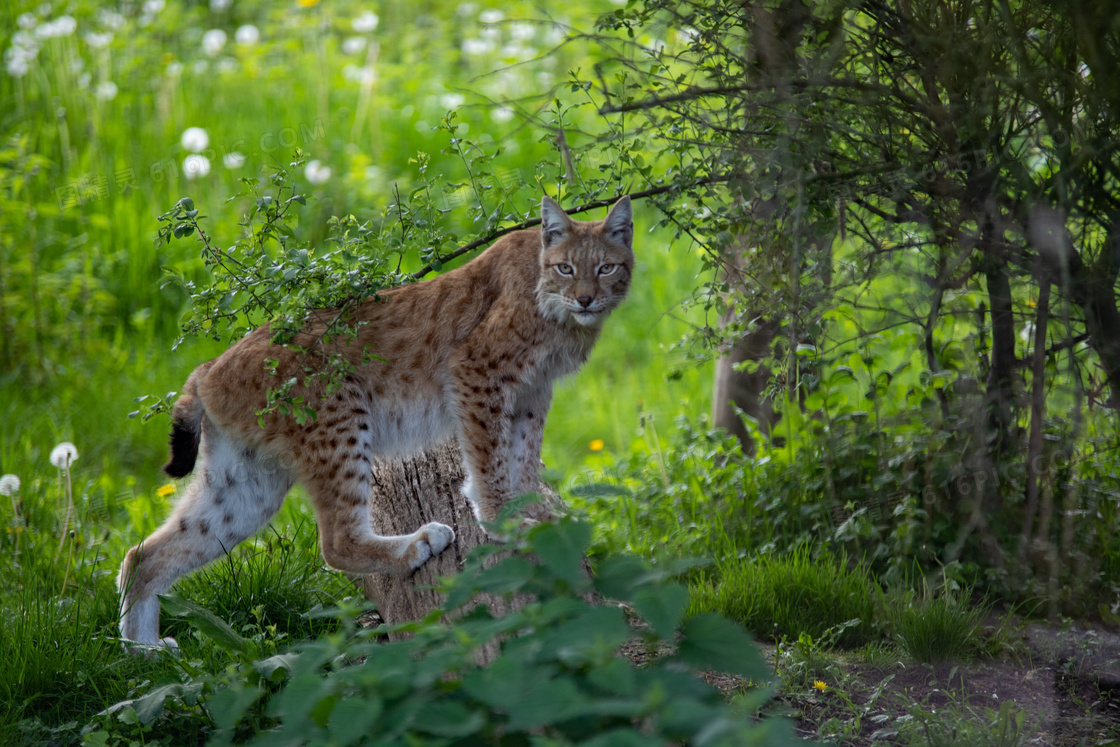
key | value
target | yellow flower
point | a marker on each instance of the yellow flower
(165, 490)
(308, 3)
(818, 685)
(596, 445)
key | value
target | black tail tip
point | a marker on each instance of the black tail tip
(184, 450)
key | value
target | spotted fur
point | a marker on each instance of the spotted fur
(471, 355)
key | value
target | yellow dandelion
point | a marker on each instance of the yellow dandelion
(165, 490)
(818, 685)
(308, 3)
(596, 445)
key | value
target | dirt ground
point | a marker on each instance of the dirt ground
(1064, 679)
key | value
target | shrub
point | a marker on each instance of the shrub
(556, 679)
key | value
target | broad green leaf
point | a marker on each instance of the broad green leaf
(714, 642)
(206, 622)
(353, 718)
(448, 719)
(562, 547)
(227, 706)
(663, 607)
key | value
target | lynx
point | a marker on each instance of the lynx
(471, 354)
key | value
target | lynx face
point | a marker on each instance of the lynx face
(585, 267)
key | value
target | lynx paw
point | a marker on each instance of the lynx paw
(439, 536)
(151, 650)
(432, 540)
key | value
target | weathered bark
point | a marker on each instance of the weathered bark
(744, 390)
(410, 492)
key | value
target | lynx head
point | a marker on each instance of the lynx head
(585, 266)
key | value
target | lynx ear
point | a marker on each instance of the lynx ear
(554, 223)
(619, 225)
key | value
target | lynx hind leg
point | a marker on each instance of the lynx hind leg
(340, 489)
(234, 493)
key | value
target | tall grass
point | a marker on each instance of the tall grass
(786, 596)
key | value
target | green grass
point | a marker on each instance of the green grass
(936, 626)
(787, 596)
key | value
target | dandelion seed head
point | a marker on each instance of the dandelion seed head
(99, 39)
(353, 45)
(106, 91)
(491, 15)
(194, 139)
(365, 23)
(316, 172)
(501, 115)
(233, 160)
(213, 41)
(247, 35)
(9, 485)
(196, 166)
(63, 455)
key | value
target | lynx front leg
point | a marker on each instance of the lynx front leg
(340, 484)
(527, 437)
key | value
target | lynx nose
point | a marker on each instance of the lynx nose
(584, 301)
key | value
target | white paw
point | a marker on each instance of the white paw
(439, 536)
(421, 554)
(151, 650)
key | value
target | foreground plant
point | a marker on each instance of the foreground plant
(556, 677)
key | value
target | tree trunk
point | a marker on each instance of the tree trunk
(410, 492)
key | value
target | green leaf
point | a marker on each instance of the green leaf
(663, 608)
(448, 719)
(226, 707)
(562, 547)
(204, 621)
(714, 642)
(353, 718)
(616, 577)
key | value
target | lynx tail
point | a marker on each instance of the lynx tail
(186, 426)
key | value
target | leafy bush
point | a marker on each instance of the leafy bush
(792, 595)
(556, 679)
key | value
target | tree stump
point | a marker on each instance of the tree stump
(413, 491)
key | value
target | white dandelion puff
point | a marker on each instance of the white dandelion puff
(27, 21)
(452, 100)
(195, 139)
(196, 166)
(106, 91)
(365, 23)
(220, 5)
(491, 16)
(233, 160)
(99, 39)
(317, 172)
(477, 46)
(213, 41)
(63, 455)
(247, 35)
(353, 45)
(9, 485)
(502, 114)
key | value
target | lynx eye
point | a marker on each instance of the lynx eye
(565, 270)
(607, 269)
